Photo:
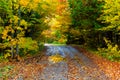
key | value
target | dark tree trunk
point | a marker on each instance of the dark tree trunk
(17, 45)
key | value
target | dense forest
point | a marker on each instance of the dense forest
(25, 25)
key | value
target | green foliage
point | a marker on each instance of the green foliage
(110, 14)
(3, 59)
(1, 29)
(112, 52)
(21, 24)
(28, 45)
(84, 14)
(40, 45)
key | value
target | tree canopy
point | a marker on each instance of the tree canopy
(26, 24)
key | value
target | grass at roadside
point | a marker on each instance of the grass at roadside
(47, 44)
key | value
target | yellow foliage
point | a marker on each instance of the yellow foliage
(2, 45)
(58, 19)
(24, 2)
(36, 1)
(110, 14)
(14, 41)
(60, 8)
(31, 4)
(24, 23)
(4, 36)
(7, 55)
(56, 58)
(21, 40)
(112, 49)
(9, 37)
(28, 44)
(16, 19)
(5, 32)
(48, 33)
(115, 48)
(118, 28)
(19, 28)
(62, 40)
(54, 23)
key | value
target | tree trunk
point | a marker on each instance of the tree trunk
(12, 35)
(12, 51)
(17, 45)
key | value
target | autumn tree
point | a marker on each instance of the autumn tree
(21, 24)
(111, 18)
(58, 20)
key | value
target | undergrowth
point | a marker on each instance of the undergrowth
(112, 52)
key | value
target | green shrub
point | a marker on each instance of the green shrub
(28, 45)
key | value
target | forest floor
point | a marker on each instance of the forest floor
(85, 66)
